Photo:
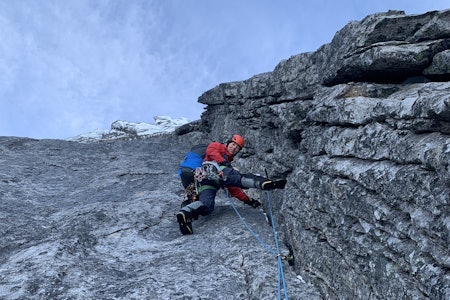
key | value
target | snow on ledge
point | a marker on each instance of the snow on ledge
(130, 130)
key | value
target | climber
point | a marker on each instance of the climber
(192, 160)
(221, 155)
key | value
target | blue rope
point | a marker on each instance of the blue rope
(280, 264)
(281, 278)
(251, 231)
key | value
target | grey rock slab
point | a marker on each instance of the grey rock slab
(96, 221)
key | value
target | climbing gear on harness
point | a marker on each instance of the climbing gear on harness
(190, 194)
(209, 170)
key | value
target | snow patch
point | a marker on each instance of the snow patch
(129, 130)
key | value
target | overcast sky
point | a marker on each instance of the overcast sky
(71, 67)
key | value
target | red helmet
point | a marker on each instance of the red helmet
(238, 140)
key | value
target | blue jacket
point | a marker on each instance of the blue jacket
(193, 158)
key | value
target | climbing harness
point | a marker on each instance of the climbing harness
(208, 170)
(277, 254)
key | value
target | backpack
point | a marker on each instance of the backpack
(194, 158)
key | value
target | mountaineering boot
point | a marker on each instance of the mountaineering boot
(185, 222)
(187, 214)
(259, 182)
(273, 184)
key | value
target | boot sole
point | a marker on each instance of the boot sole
(185, 224)
(275, 184)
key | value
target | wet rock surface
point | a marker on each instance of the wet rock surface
(96, 221)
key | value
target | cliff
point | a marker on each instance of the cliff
(97, 221)
(360, 128)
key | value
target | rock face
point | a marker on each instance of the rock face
(361, 130)
(96, 221)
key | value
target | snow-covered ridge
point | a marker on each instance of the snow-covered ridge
(125, 130)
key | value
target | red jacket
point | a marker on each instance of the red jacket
(219, 153)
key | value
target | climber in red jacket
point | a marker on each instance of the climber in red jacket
(222, 155)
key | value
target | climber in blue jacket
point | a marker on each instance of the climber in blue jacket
(220, 155)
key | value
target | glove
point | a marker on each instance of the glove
(253, 203)
(226, 163)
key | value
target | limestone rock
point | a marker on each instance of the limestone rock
(361, 129)
(96, 221)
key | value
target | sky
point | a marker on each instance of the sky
(75, 66)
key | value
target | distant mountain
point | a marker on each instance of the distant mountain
(126, 130)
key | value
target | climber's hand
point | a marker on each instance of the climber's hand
(253, 203)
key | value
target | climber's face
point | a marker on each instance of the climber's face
(233, 148)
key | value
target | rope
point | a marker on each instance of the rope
(251, 231)
(281, 278)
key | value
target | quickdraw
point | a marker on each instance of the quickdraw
(191, 192)
(209, 170)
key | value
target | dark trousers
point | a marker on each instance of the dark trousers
(208, 195)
